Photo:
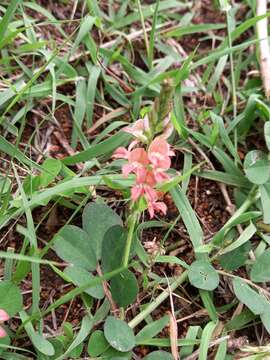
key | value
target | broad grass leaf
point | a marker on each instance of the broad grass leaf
(118, 334)
(203, 275)
(265, 200)
(267, 134)
(152, 329)
(97, 219)
(124, 288)
(254, 301)
(236, 258)
(260, 271)
(265, 317)
(205, 340)
(72, 244)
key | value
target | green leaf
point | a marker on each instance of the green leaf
(243, 238)
(40, 343)
(97, 219)
(265, 200)
(254, 301)
(120, 284)
(265, 317)
(236, 258)
(260, 271)
(112, 354)
(10, 298)
(79, 276)
(53, 167)
(86, 326)
(118, 334)
(189, 218)
(103, 148)
(152, 329)
(13, 151)
(8, 16)
(97, 344)
(205, 340)
(113, 248)
(257, 167)
(203, 275)
(74, 245)
(267, 134)
(158, 355)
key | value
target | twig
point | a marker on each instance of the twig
(107, 291)
(262, 32)
(212, 343)
(61, 138)
(114, 113)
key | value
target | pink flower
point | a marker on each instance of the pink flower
(2, 332)
(156, 206)
(121, 153)
(3, 317)
(159, 153)
(145, 183)
(137, 159)
(139, 129)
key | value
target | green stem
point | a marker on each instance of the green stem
(163, 296)
(132, 223)
(234, 97)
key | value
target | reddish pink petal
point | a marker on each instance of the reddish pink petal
(141, 174)
(121, 153)
(135, 129)
(156, 206)
(150, 178)
(151, 194)
(161, 176)
(151, 210)
(3, 315)
(159, 145)
(136, 192)
(127, 169)
(161, 206)
(2, 332)
(138, 155)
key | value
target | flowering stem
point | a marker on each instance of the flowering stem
(132, 223)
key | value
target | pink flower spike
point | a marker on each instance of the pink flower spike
(3, 315)
(2, 332)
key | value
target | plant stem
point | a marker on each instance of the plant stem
(163, 296)
(143, 27)
(132, 223)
